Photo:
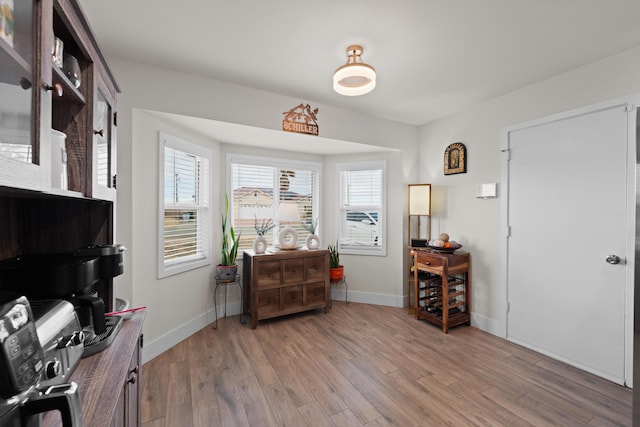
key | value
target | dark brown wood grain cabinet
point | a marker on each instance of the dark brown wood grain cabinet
(43, 211)
(127, 411)
(110, 381)
(285, 282)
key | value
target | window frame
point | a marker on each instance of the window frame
(203, 257)
(278, 163)
(381, 249)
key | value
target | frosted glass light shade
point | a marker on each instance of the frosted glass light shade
(355, 77)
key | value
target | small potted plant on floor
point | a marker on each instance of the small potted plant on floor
(228, 268)
(336, 272)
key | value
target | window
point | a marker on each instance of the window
(258, 186)
(184, 223)
(362, 212)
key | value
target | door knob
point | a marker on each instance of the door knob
(613, 259)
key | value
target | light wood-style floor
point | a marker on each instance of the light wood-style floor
(368, 365)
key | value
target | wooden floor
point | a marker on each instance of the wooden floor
(368, 365)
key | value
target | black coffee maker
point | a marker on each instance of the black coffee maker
(22, 402)
(70, 276)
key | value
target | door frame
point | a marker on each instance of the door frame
(632, 103)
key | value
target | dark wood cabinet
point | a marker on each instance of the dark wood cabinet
(285, 282)
(110, 381)
(127, 412)
(38, 98)
(41, 213)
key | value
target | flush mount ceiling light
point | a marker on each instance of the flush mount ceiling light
(355, 77)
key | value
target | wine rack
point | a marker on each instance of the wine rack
(442, 287)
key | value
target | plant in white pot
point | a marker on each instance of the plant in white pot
(260, 244)
(228, 268)
(313, 240)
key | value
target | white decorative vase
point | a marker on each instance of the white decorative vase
(313, 241)
(260, 245)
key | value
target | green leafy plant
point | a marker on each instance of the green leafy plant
(265, 226)
(230, 241)
(312, 226)
(334, 255)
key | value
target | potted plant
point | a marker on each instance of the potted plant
(336, 271)
(260, 244)
(313, 240)
(228, 268)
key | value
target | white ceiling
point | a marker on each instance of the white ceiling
(433, 57)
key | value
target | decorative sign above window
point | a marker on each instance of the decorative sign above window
(455, 159)
(301, 119)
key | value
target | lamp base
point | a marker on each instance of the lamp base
(288, 238)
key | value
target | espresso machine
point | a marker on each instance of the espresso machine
(25, 392)
(74, 277)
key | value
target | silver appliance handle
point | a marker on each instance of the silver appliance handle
(64, 398)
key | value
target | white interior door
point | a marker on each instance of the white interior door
(567, 212)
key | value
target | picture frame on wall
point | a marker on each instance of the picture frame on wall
(455, 159)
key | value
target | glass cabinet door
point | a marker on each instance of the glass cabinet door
(103, 148)
(17, 80)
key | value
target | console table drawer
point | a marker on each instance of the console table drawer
(293, 270)
(314, 293)
(268, 274)
(315, 268)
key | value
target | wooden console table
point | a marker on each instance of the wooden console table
(285, 282)
(442, 288)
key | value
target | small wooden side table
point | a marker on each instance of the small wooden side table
(443, 296)
(226, 283)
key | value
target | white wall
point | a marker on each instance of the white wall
(475, 222)
(182, 304)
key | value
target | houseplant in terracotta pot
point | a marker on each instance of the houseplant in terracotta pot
(336, 271)
(228, 268)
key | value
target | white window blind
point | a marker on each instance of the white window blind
(362, 213)
(184, 214)
(259, 185)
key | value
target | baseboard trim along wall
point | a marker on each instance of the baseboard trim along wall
(184, 331)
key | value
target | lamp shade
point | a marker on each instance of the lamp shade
(420, 199)
(288, 212)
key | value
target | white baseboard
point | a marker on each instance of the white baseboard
(184, 331)
(368, 298)
(486, 324)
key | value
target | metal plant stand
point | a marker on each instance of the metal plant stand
(226, 283)
(342, 281)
